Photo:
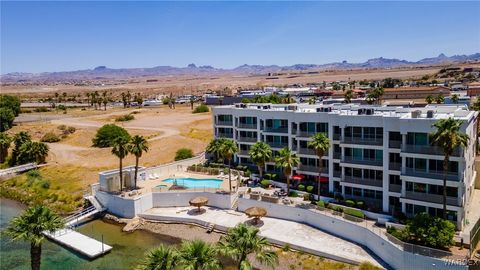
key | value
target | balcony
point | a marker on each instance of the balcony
(247, 139)
(364, 161)
(362, 141)
(395, 188)
(224, 123)
(247, 126)
(432, 174)
(306, 151)
(243, 152)
(395, 166)
(308, 168)
(305, 134)
(277, 144)
(225, 135)
(362, 181)
(337, 155)
(432, 198)
(276, 130)
(336, 137)
(337, 174)
(428, 150)
(395, 144)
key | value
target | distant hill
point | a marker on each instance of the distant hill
(103, 72)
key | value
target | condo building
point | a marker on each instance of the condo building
(379, 155)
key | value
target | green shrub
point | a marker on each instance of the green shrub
(201, 109)
(10, 102)
(368, 266)
(309, 189)
(361, 204)
(6, 119)
(265, 183)
(62, 107)
(45, 184)
(335, 208)
(62, 127)
(124, 118)
(322, 204)
(293, 194)
(183, 153)
(41, 109)
(286, 247)
(306, 196)
(50, 137)
(354, 212)
(350, 203)
(301, 187)
(107, 134)
(431, 231)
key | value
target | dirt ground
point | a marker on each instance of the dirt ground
(166, 130)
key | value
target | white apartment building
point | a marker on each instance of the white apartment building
(379, 155)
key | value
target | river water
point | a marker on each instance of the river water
(128, 248)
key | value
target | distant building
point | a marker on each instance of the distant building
(415, 92)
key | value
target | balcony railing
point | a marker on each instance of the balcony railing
(248, 126)
(224, 123)
(395, 188)
(308, 168)
(433, 198)
(364, 161)
(337, 174)
(430, 175)
(363, 141)
(225, 135)
(428, 150)
(305, 134)
(306, 151)
(395, 166)
(277, 144)
(247, 139)
(276, 130)
(337, 155)
(336, 137)
(363, 181)
(395, 144)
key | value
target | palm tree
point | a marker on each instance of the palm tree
(104, 100)
(228, 149)
(455, 98)
(287, 160)
(429, 99)
(30, 227)
(160, 258)
(320, 143)
(260, 153)
(348, 96)
(31, 151)
(88, 97)
(243, 240)
(5, 142)
(198, 255)
(120, 149)
(138, 145)
(439, 99)
(448, 137)
(40, 152)
(214, 147)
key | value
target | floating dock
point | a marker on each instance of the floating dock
(80, 243)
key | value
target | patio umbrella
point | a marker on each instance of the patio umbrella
(198, 202)
(256, 213)
(298, 177)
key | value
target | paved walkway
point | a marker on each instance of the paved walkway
(298, 236)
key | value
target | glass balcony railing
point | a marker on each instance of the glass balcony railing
(395, 166)
(428, 150)
(309, 168)
(224, 123)
(433, 198)
(363, 141)
(363, 161)
(363, 181)
(431, 174)
(247, 139)
(277, 144)
(306, 151)
(276, 130)
(395, 144)
(305, 134)
(247, 126)
(225, 135)
(395, 188)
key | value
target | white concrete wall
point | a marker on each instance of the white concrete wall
(355, 232)
(171, 199)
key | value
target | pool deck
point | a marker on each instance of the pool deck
(277, 231)
(150, 184)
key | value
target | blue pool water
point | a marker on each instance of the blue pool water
(195, 182)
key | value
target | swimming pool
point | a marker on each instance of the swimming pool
(196, 182)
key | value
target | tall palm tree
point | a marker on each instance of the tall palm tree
(214, 147)
(120, 149)
(160, 258)
(439, 99)
(429, 99)
(287, 160)
(243, 240)
(198, 255)
(228, 149)
(320, 143)
(348, 96)
(260, 153)
(455, 98)
(5, 142)
(138, 145)
(448, 137)
(30, 227)
(88, 97)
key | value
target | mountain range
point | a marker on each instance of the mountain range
(103, 72)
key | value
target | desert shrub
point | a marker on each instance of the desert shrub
(33, 173)
(71, 130)
(26, 111)
(183, 153)
(301, 187)
(354, 212)
(44, 183)
(50, 137)
(286, 247)
(306, 196)
(62, 127)
(41, 109)
(309, 189)
(124, 118)
(293, 194)
(265, 183)
(62, 107)
(201, 109)
(368, 266)
(350, 203)
(107, 134)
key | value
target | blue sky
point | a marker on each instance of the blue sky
(60, 36)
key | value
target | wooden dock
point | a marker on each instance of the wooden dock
(80, 243)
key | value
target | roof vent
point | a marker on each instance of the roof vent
(430, 114)
(416, 113)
